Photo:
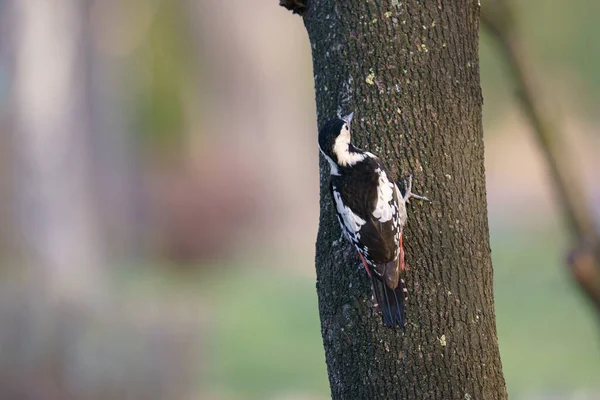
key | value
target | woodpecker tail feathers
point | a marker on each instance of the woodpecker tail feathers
(390, 302)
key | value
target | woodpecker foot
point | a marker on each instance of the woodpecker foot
(408, 194)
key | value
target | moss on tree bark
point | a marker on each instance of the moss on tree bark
(410, 71)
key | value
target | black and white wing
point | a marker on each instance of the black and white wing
(368, 211)
(350, 222)
(382, 232)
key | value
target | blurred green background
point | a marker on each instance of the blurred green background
(158, 175)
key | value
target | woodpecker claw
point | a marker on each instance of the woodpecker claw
(408, 194)
(415, 196)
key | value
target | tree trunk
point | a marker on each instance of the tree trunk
(60, 238)
(410, 71)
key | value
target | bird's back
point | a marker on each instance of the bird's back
(367, 205)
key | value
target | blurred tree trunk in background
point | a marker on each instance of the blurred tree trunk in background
(74, 158)
(410, 71)
(118, 193)
(59, 232)
(584, 259)
(65, 333)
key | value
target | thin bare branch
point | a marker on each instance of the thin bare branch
(583, 264)
(498, 18)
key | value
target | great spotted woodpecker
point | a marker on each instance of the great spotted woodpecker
(371, 211)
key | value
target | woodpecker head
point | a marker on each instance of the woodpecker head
(334, 143)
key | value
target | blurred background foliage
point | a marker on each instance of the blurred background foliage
(162, 55)
(200, 164)
(562, 39)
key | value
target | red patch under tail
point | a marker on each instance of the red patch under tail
(401, 262)
(365, 264)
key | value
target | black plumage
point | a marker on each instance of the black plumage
(357, 187)
(377, 242)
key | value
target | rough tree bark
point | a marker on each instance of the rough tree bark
(410, 71)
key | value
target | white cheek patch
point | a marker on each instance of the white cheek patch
(386, 206)
(351, 223)
(340, 148)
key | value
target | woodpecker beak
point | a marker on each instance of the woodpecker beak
(348, 118)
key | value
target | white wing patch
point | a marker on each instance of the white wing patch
(350, 222)
(385, 209)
